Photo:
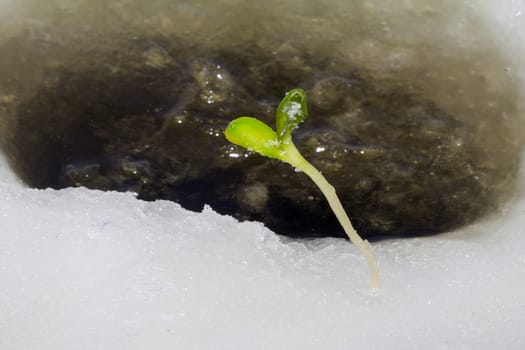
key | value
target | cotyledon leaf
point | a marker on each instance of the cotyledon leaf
(254, 135)
(291, 111)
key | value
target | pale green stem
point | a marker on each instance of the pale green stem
(292, 156)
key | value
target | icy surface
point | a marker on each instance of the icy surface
(93, 270)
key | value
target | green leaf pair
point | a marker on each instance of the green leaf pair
(257, 136)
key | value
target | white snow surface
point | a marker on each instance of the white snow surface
(84, 269)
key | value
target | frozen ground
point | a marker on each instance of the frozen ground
(84, 269)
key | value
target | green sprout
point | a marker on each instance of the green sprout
(257, 136)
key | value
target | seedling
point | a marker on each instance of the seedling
(257, 136)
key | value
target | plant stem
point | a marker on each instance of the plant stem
(292, 156)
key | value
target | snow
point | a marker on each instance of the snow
(87, 269)
(84, 269)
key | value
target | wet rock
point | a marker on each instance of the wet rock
(214, 82)
(328, 95)
(157, 57)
